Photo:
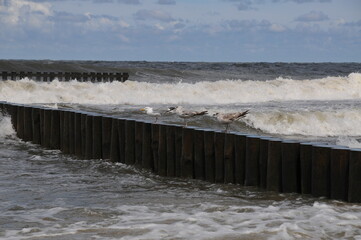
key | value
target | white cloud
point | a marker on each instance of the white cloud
(277, 28)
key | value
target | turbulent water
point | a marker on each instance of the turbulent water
(48, 195)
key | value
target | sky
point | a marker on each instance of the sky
(182, 30)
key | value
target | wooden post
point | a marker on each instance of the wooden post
(178, 134)
(219, 156)
(71, 132)
(252, 159)
(155, 146)
(28, 124)
(209, 156)
(240, 157)
(114, 142)
(130, 142)
(274, 165)
(78, 135)
(97, 136)
(121, 134)
(65, 134)
(263, 158)
(306, 167)
(36, 125)
(199, 159)
(291, 166)
(47, 128)
(354, 180)
(20, 121)
(55, 129)
(106, 136)
(339, 165)
(162, 151)
(321, 170)
(229, 158)
(147, 154)
(187, 153)
(89, 137)
(83, 134)
(170, 138)
(138, 143)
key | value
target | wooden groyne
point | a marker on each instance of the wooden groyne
(66, 76)
(170, 150)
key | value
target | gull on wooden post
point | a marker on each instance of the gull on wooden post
(149, 111)
(182, 113)
(227, 118)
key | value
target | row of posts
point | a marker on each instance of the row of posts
(66, 76)
(174, 151)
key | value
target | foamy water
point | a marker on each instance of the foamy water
(205, 93)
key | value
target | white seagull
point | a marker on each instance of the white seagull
(185, 114)
(149, 111)
(227, 118)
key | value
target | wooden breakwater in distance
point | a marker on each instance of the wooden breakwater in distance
(67, 76)
(170, 150)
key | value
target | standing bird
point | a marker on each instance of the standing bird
(227, 118)
(149, 111)
(185, 114)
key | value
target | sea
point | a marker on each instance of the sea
(45, 194)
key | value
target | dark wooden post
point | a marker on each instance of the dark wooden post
(199, 171)
(65, 134)
(130, 142)
(114, 142)
(354, 180)
(291, 166)
(155, 146)
(219, 156)
(47, 128)
(339, 165)
(97, 136)
(252, 159)
(162, 151)
(28, 124)
(263, 158)
(89, 137)
(55, 129)
(209, 156)
(106, 136)
(78, 135)
(138, 143)
(71, 132)
(147, 154)
(240, 141)
(187, 153)
(321, 170)
(306, 167)
(274, 165)
(36, 125)
(229, 158)
(178, 134)
(170, 138)
(83, 135)
(121, 134)
(20, 121)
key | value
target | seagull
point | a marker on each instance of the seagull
(227, 118)
(149, 111)
(185, 114)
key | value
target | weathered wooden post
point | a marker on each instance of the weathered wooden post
(354, 179)
(65, 134)
(138, 143)
(121, 134)
(36, 125)
(240, 157)
(114, 142)
(219, 156)
(291, 166)
(20, 121)
(252, 161)
(321, 170)
(147, 155)
(130, 142)
(106, 136)
(78, 134)
(47, 128)
(170, 138)
(339, 166)
(55, 129)
(229, 158)
(274, 165)
(199, 159)
(306, 167)
(83, 134)
(209, 156)
(155, 146)
(89, 137)
(97, 136)
(187, 153)
(162, 151)
(28, 124)
(71, 132)
(263, 158)
(178, 135)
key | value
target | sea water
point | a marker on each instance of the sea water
(45, 194)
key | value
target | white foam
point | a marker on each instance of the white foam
(6, 128)
(205, 93)
(344, 122)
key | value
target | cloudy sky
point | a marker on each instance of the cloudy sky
(182, 30)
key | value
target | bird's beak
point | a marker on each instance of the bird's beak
(142, 109)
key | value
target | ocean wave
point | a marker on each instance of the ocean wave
(204, 92)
